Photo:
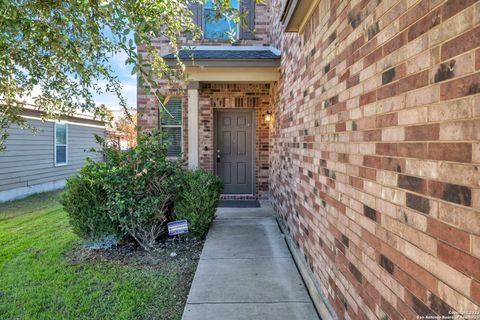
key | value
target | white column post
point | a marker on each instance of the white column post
(193, 124)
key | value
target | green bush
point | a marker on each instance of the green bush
(141, 189)
(135, 192)
(84, 199)
(197, 200)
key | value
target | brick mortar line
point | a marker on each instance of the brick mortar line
(401, 94)
(399, 157)
(360, 259)
(396, 250)
(429, 68)
(399, 31)
(464, 164)
(404, 190)
(396, 219)
(438, 45)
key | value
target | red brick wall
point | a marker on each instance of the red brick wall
(147, 105)
(231, 95)
(375, 167)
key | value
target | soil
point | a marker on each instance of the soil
(168, 253)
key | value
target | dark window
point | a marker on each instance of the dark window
(60, 143)
(171, 124)
(219, 25)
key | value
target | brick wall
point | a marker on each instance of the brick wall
(231, 95)
(147, 105)
(375, 167)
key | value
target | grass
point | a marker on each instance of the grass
(38, 282)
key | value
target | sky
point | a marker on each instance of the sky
(129, 85)
(129, 81)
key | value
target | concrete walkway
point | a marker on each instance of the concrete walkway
(246, 272)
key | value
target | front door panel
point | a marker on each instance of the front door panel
(234, 154)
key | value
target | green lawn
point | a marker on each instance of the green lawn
(38, 282)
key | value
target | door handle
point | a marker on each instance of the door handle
(218, 155)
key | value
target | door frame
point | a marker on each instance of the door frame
(216, 111)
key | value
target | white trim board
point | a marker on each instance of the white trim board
(232, 74)
(192, 123)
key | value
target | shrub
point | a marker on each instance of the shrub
(137, 191)
(197, 200)
(141, 188)
(84, 200)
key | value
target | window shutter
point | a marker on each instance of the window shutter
(247, 8)
(197, 12)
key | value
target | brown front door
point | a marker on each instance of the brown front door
(234, 150)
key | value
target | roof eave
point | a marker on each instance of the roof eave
(228, 63)
(30, 110)
(296, 13)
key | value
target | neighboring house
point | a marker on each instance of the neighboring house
(117, 139)
(42, 161)
(371, 155)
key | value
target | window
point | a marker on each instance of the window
(61, 141)
(171, 125)
(217, 24)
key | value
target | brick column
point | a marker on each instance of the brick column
(192, 89)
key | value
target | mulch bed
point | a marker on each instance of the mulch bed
(167, 253)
